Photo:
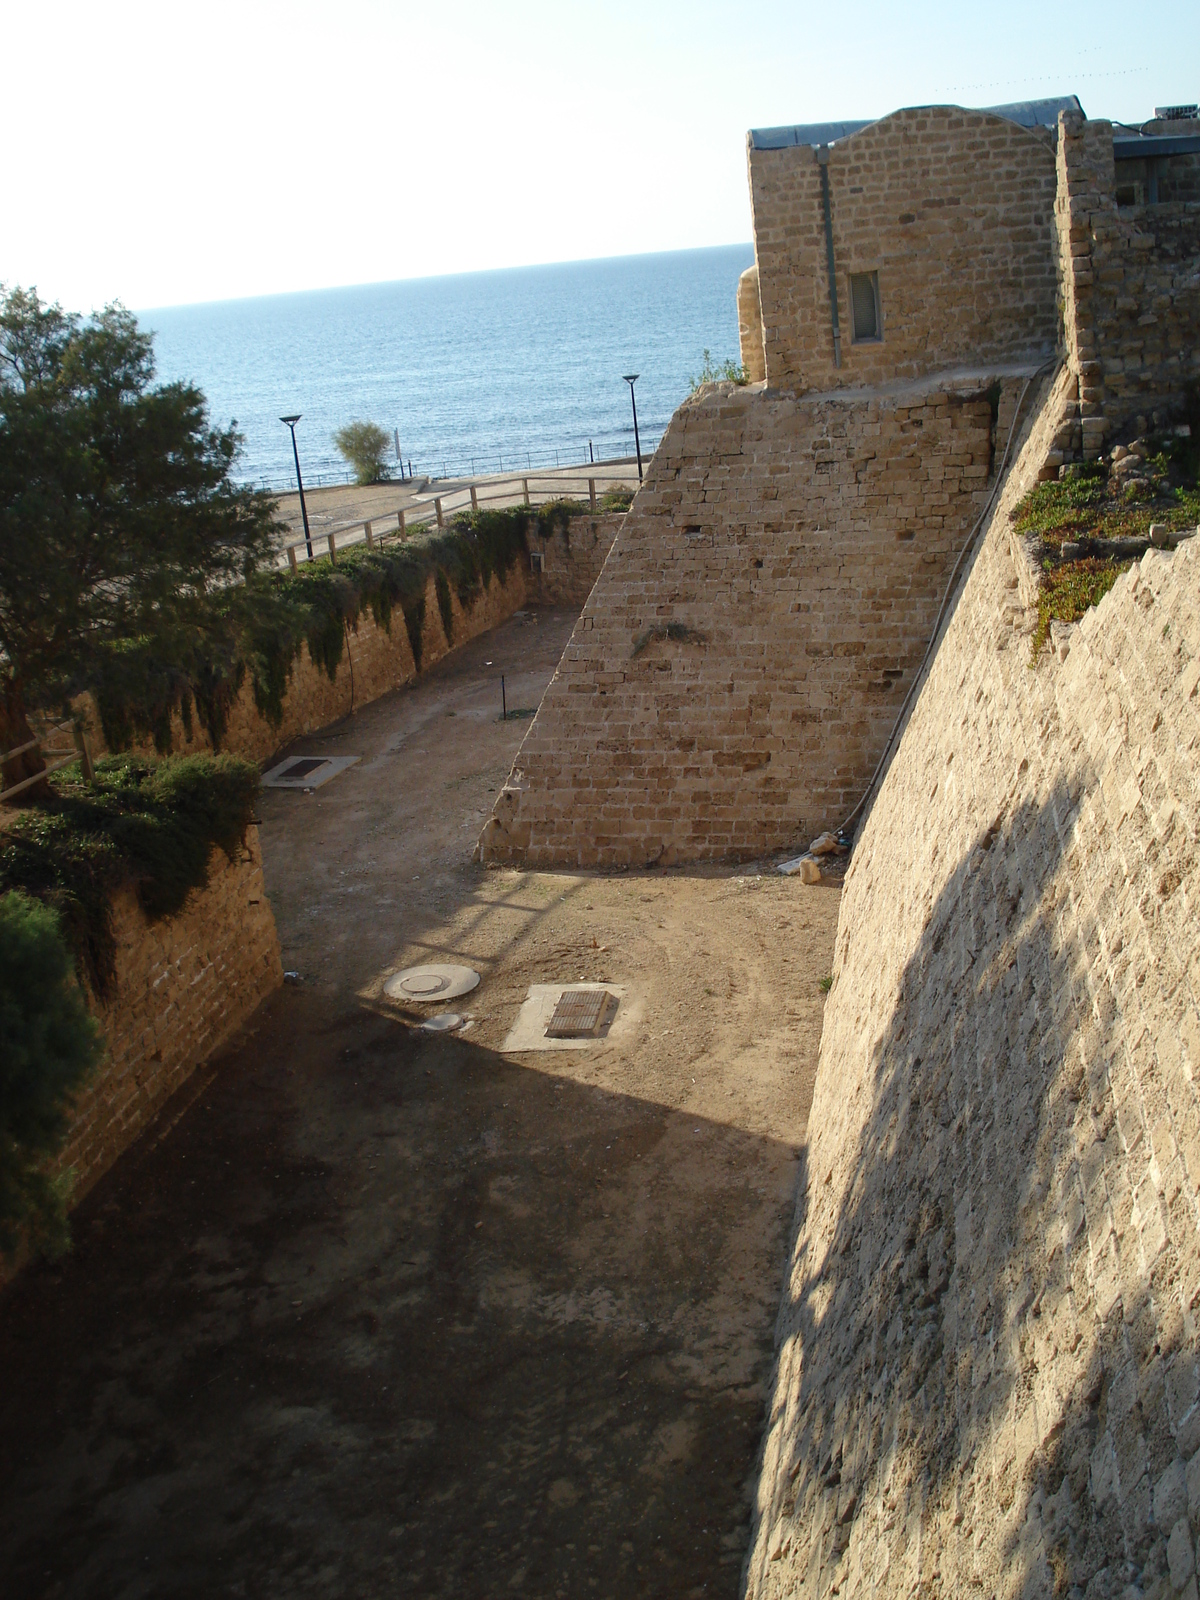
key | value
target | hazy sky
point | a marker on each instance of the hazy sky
(162, 153)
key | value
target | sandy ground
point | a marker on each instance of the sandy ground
(376, 1311)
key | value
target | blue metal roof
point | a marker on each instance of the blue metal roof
(804, 133)
(1026, 113)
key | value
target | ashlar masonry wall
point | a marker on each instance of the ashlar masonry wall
(742, 658)
(183, 986)
(953, 209)
(379, 659)
(989, 1344)
(1131, 277)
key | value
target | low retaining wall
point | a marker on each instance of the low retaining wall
(183, 986)
(381, 659)
(989, 1344)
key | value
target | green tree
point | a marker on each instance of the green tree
(123, 538)
(49, 1045)
(365, 446)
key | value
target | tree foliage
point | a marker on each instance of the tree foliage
(50, 1044)
(124, 541)
(365, 447)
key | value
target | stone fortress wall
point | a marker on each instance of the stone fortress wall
(738, 668)
(379, 659)
(741, 661)
(989, 1345)
(1131, 286)
(954, 212)
(740, 664)
(183, 986)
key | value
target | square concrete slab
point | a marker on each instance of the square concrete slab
(528, 1032)
(306, 772)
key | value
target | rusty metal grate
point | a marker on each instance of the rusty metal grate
(302, 768)
(581, 1014)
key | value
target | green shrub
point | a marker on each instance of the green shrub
(615, 500)
(151, 824)
(50, 1044)
(1067, 592)
(365, 447)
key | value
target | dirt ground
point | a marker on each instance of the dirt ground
(375, 1311)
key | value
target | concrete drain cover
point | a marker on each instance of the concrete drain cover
(307, 772)
(582, 1014)
(446, 1022)
(429, 984)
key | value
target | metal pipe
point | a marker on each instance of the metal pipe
(823, 163)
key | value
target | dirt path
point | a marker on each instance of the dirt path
(374, 1311)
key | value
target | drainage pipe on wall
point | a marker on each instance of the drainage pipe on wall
(823, 163)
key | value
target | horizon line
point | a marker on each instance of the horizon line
(437, 277)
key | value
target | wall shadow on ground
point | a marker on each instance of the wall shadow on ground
(989, 1377)
(389, 1313)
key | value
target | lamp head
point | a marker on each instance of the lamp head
(632, 377)
(291, 421)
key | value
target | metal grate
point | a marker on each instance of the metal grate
(302, 768)
(581, 1014)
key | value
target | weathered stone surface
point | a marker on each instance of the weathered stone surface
(381, 659)
(953, 209)
(742, 659)
(183, 986)
(989, 1350)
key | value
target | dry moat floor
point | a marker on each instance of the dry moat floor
(375, 1312)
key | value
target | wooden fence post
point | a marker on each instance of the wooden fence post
(437, 506)
(370, 536)
(402, 523)
(85, 755)
(592, 492)
(474, 499)
(332, 549)
(292, 556)
(525, 486)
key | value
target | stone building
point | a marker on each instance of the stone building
(739, 667)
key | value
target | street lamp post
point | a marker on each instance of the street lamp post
(291, 422)
(631, 378)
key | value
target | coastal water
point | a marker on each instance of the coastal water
(480, 372)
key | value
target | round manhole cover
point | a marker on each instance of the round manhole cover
(444, 1022)
(431, 983)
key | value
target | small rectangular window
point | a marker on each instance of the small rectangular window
(864, 306)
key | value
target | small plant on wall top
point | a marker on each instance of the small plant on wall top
(723, 372)
(364, 445)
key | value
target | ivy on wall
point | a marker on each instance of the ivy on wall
(152, 824)
(261, 626)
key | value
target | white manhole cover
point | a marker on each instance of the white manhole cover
(425, 984)
(446, 1022)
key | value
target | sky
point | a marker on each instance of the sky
(163, 154)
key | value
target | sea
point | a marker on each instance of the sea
(479, 372)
